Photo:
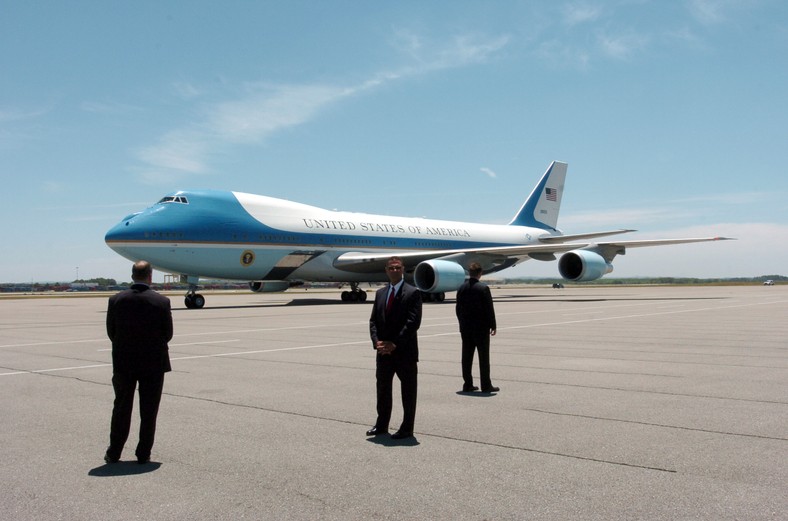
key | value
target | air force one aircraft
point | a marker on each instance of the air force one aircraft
(275, 244)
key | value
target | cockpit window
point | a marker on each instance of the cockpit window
(174, 199)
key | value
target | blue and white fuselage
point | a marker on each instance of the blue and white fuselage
(207, 234)
(241, 236)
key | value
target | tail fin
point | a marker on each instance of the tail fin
(541, 208)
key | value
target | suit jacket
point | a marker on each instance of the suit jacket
(401, 324)
(474, 308)
(139, 324)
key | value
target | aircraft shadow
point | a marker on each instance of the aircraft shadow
(323, 302)
(123, 468)
(292, 303)
(502, 298)
(553, 298)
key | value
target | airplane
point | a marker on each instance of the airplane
(275, 244)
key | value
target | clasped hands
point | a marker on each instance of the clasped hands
(385, 347)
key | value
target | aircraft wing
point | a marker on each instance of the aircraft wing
(610, 249)
(370, 262)
(579, 236)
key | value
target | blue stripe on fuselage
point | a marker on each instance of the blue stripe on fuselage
(216, 217)
(209, 216)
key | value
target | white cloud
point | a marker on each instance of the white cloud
(759, 249)
(261, 114)
(19, 127)
(180, 150)
(9, 115)
(738, 198)
(464, 50)
(708, 12)
(558, 53)
(716, 12)
(489, 172)
(264, 110)
(621, 46)
(575, 14)
(187, 90)
(621, 217)
(103, 107)
(666, 212)
(686, 37)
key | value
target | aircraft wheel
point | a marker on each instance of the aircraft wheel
(362, 296)
(345, 296)
(194, 301)
(440, 297)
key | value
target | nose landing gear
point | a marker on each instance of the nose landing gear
(193, 300)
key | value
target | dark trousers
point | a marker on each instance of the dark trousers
(407, 372)
(476, 341)
(150, 397)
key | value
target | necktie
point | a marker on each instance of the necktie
(391, 299)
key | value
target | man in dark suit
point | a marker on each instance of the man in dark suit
(476, 315)
(139, 324)
(395, 320)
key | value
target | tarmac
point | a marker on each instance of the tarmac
(616, 403)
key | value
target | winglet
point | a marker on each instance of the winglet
(541, 208)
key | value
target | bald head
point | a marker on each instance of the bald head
(142, 271)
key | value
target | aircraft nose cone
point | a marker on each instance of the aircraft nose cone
(123, 238)
(121, 231)
(117, 232)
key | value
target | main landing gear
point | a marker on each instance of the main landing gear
(355, 294)
(433, 297)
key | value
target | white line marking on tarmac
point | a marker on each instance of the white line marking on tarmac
(366, 341)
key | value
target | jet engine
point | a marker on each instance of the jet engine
(435, 276)
(269, 286)
(583, 265)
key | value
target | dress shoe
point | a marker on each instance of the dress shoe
(469, 388)
(491, 389)
(377, 431)
(143, 461)
(401, 435)
(110, 459)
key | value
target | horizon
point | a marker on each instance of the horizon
(487, 278)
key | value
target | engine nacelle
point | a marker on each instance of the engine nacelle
(435, 276)
(268, 286)
(583, 265)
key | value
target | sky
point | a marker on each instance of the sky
(672, 116)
